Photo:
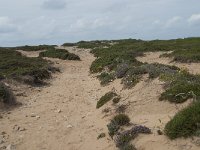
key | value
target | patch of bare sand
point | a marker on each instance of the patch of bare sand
(30, 53)
(154, 57)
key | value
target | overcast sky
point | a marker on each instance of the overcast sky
(57, 21)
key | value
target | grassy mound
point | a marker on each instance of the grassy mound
(104, 99)
(59, 53)
(6, 95)
(185, 123)
(14, 65)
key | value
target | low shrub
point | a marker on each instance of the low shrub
(106, 78)
(59, 53)
(122, 139)
(185, 123)
(14, 65)
(116, 100)
(104, 99)
(113, 127)
(6, 95)
(181, 87)
(121, 119)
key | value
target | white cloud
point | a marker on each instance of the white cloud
(195, 18)
(173, 21)
(54, 4)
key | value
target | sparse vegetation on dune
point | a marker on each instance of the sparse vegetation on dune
(59, 53)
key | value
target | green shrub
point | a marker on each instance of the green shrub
(59, 53)
(102, 135)
(14, 65)
(33, 48)
(185, 123)
(113, 127)
(116, 100)
(121, 119)
(6, 95)
(185, 55)
(106, 78)
(182, 86)
(104, 99)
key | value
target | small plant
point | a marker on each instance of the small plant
(6, 95)
(116, 100)
(104, 99)
(121, 109)
(113, 127)
(121, 119)
(122, 139)
(105, 78)
(102, 135)
(185, 123)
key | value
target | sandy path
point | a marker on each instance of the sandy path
(154, 57)
(76, 127)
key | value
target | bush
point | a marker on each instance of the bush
(104, 99)
(116, 100)
(106, 78)
(113, 127)
(14, 65)
(121, 119)
(128, 147)
(182, 86)
(122, 139)
(185, 56)
(33, 48)
(6, 95)
(59, 53)
(185, 123)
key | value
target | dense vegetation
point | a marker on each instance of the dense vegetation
(185, 56)
(31, 48)
(59, 53)
(185, 123)
(31, 70)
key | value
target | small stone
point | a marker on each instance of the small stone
(102, 135)
(22, 129)
(33, 115)
(1, 117)
(58, 111)
(69, 126)
(38, 117)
